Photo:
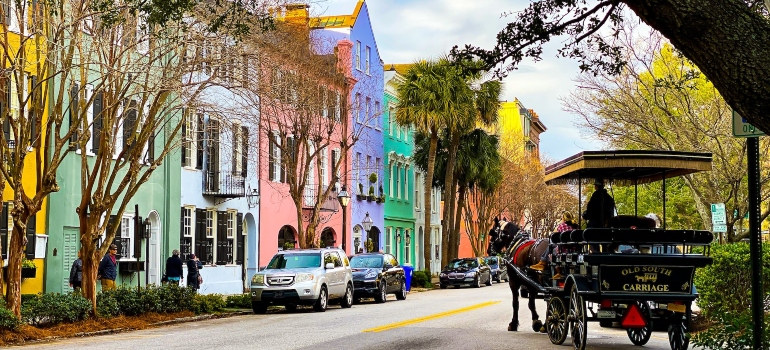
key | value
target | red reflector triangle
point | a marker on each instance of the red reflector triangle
(633, 318)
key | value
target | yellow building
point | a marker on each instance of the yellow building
(23, 95)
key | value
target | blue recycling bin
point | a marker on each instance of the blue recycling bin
(408, 274)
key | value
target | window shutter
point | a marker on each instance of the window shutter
(129, 127)
(29, 249)
(151, 148)
(271, 157)
(234, 162)
(239, 237)
(201, 134)
(184, 134)
(4, 230)
(138, 235)
(200, 234)
(97, 124)
(222, 238)
(214, 154)
(33, 99)
(114, 220)
(244, 151)
(74, 112)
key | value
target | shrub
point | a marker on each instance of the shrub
(725, 297)
(422, 278)
(204, 304)
(107, 304)
(8, 321)
(240, 301)
(130, 301)
(53, 308)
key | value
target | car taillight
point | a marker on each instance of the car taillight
(606, 304)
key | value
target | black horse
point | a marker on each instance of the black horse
(502, 238)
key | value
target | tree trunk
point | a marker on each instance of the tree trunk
(428, 190)
(450, 201)
(727, 40)
(90, 256)
(15, 253)
(456, 227)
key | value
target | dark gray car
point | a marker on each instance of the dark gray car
(377, 275)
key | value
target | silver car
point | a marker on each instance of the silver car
(303, 277)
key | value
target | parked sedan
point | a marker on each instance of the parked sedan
(377, 275)
(465, 271)
(497, 266)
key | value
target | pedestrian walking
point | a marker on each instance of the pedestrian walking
(174, 268)
(76, 275)
(108, 269)
(194, 279)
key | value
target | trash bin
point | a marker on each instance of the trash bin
(408, 274)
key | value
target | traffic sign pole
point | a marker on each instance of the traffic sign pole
(757, 306)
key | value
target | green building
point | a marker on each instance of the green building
(401, 239)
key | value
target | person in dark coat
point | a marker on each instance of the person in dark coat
(174, 268)
(599, 210)
(76, 274)
(193, 272)
(108, 269)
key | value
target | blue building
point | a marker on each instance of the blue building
(365, 181)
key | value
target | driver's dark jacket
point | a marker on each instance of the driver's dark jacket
(600, 208)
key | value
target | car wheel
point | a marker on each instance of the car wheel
(259, 307)
(442, 286)
(401, 295)
(323, 300)
(356, 300)
(489, 280)
(291, 307)
(347, 300)
(382, 296)
(477, 282)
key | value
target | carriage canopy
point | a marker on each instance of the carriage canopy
(625, 167)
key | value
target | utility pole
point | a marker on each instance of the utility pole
(757, 306)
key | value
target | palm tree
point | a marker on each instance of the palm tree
(445, 94)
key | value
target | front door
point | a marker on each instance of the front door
(154, 252)
(71, 235)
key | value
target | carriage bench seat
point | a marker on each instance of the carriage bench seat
(642, 236)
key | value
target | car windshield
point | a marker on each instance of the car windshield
(492, 261)
(295, 261)
(367, 262)
(456, 264)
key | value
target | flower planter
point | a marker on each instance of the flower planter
(360, 197)
(28, 272)
(370, 198)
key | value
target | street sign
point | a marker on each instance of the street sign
(718, 216)
(741, 128)
(719, 228)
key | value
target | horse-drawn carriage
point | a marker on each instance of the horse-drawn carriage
(626, 271)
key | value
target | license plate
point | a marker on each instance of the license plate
(605, 314)
(677, 307)
(278, 295)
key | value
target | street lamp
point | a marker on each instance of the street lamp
(344, 198)
(367, 223)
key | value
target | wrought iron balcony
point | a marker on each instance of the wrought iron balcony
(223, 184)
(329, 204)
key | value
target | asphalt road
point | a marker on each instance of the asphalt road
(465, 318)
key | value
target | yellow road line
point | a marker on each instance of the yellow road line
(430, 317)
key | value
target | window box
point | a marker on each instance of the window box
(28, 272)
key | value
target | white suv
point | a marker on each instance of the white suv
(303, 277)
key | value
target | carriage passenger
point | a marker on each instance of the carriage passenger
(600, 208)
(567, 224)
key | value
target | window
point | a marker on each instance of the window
(406, 133)
(407, 246)
(368, 59)
(398, 132)
(398, 181)
(275, 158)
(188, 146)
(224, 243)
(406, 183)
(130, 126)
(358, 55)
(367, 112)
(357, 169)
(388, 238)
(391, 120)
(187, 221)
(357, 104)
(231, 223)
(416, 192)
(125, 237)
(324, 171)
(375, 115)
(210, 223)
(368, 166)
(186, 238)
(237, 147)
(377, 170)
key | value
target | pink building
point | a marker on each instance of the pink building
(280, 219)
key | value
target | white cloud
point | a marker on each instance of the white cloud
(408, 30)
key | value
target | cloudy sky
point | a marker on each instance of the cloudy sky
(408, 30)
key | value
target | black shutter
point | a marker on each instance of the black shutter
(129, 127)
(200, 234)
(4, 230)
(29, 249)
(201, 135)
(74, 112)
(33, 99)
(151, 148)
(117, 241)
(97, 134)
(240, 238)
(271, 157)
(214, 154)
(234, 162)
(222, 238)
(138, 235)
(245, 151)
(184, 135)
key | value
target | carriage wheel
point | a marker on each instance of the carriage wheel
(577, 319)
(677, 330)
(556, 320)
(640, 336)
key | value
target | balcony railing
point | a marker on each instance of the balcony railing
(223, 184)
(329, 204)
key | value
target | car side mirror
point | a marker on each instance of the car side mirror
(387, 267)
(261, 268)
(329, 266)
